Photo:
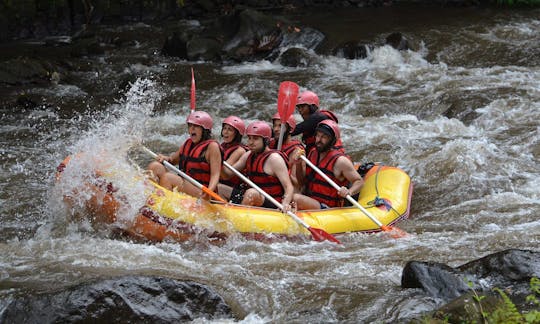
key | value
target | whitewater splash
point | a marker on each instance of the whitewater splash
(102, 152)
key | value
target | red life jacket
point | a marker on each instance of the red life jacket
(308, 137)
(228, 149)
(287, 148)
(255, 172)
(318, 188)
(193, 160)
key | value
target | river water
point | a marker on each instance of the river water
(460, 113)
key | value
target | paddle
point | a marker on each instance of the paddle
(287, 96)
(187, 177)
(192, 91)
(385, 228)
(318, 234)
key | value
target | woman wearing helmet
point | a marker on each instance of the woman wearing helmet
(318, 193)
(267, 168)
(199, 157)
(232, 132)
(308, 106)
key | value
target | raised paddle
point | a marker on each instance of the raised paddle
(187, 177)
(287, 97)
(317, 233)
(400, 233)
(192, 91)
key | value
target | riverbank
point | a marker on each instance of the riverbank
(29, 20)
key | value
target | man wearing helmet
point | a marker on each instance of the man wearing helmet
(199, 157)
(308, 106)
(267, 168)
(334, 163)
(289, 145)
(232, 131)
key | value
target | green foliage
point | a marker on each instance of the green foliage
(507, 312)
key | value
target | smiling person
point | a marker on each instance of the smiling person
(199, 157)
(318, 193)
(265, 167)
(232, 132)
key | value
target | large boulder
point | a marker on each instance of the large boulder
(132, 299)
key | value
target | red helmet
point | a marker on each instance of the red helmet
(330, 127)
(308, 98)
(291, 121)
(200, 118)
(236, 123)
(259, 128)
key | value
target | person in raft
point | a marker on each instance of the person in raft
(308, 107)
(232, 132)
(289, 145)
(318, 193)
(199, 157)
(265, 167)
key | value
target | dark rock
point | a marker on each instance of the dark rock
(467, 309)
(175, 46)
(351, 50)
(203, 49)
(296, 57)
(397, 41)
(505, 267)
(121, 300)
(307, 37)
(436, 279)
(23, 71)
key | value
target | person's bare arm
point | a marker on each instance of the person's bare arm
(213, 156)
(239, 165)
(276, 166)
(344, 169)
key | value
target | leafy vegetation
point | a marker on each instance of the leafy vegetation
(505, 312)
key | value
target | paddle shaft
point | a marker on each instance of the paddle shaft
(264, 193)
(187, 177)
(335, 185)
(281, 135)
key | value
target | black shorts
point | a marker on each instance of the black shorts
(237, 195)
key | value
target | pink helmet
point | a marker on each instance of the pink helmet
(308, 98)
(290, 121)
(201, 118)
(330, 127)
(236, 123)
(259, 128)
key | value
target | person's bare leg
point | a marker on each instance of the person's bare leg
(157, 170)
(252, 198)
(225, 191)
(304, 202)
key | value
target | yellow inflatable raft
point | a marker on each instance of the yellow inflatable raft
(386, 195)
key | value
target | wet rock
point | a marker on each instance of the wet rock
(352, 50)
(510, 271)
(176, 46)
(397, 41)
(204, 49)
(436, 279)
(505, 267)
(24, 71)
(307, 37)
(121, 300)
(296, 57)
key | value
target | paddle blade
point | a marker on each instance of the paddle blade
(394, 231)
(192, 91)
(287, 97)
(320, 235)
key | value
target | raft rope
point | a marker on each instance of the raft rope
(378, 201)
